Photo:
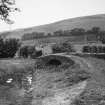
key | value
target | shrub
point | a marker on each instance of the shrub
(94, 49)
(86, 49)
(37, 54)
(57, 49)
(23, 52)
(27, 51)
(63, 47)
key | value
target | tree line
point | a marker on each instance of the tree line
(96, 31)
(94, 49)
(10, 47)
(30, 51)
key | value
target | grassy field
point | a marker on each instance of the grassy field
(10, 65)
(94, 93)
(47, 80)
(56, 39)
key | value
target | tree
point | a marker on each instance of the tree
(58, 33)
(77, 31)
(6, 7)
(27, 51)
(67, 47)
(31, 51)
(10, 48)
(57, 49)
(86, 49)
(67, 32)
(63, 47)
(23, 52)
(95, 30)
(1, 46)
(102, 36)
(49, 34)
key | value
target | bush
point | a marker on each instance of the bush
(57, 49)
(86, 49)
(23, 52)
(94, 49)
(27, 51)
(63, 47)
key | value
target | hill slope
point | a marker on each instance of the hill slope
(86, 22)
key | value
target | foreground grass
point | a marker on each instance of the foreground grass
(94, 93)
(48, 79)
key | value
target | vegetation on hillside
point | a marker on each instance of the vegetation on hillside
(86, 22)
(95, 31)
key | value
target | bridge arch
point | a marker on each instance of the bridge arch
(55, 60)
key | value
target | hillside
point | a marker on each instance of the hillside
(86, 22)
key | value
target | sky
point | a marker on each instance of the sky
(40, 12)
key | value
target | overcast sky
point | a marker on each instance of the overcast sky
(38, 12)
